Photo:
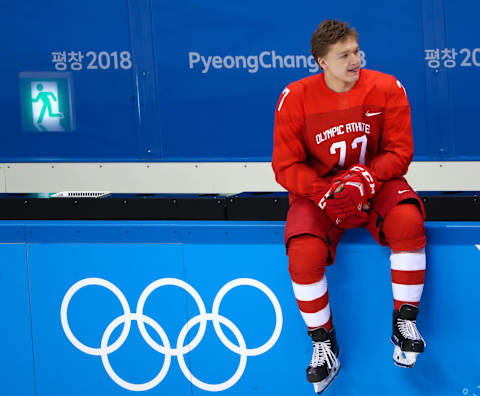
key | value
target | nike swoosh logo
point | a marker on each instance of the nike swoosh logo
(368, 114)
(402, 191)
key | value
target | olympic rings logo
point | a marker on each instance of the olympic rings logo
(180, 350)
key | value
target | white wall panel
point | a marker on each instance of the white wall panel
(202, 177)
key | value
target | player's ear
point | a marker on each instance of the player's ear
(322, 62)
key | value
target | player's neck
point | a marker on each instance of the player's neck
(338, 85)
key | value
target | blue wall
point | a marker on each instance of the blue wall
(41, 261)
(142, 92)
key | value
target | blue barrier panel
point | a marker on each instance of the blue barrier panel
(360, 293)
(245, 286)
(461, 57)
(121, 272)
(91, 42)
(227, 67)
(223, 302)
(196, 81)
(16, 360)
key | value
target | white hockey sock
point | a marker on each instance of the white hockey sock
(312, 300)
(408, 275)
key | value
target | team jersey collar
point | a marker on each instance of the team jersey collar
(326, 88)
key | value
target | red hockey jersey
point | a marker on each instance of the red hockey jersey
(319, 133)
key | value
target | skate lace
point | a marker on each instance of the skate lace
(322, 353)
(408, 328)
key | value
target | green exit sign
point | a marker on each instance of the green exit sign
(46, 102)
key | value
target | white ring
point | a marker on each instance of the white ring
(64, 319)
(106, 363)
(276, 305)
(201, 308)
(243, 355)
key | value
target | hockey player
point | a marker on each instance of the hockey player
(342, 143)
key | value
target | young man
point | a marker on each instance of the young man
(342, 143)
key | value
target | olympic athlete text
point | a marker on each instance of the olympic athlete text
(342, 143)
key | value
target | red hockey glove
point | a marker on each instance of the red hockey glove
(345, 202)
(368, 178)
(354, 221)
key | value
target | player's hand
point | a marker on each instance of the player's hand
(346, 202)
(351, 193)
(356, 220)
(367, 177)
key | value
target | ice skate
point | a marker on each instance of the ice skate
(325, 364)
(406, 338)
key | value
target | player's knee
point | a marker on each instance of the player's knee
(404, 228)
(307, 257)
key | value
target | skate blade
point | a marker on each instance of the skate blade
(404, 359)
(319, 387)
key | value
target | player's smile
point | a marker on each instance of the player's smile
(354, 70)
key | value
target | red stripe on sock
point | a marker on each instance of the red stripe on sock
(315, 305)
(408, 277)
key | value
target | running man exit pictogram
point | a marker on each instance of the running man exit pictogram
(46, 101)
